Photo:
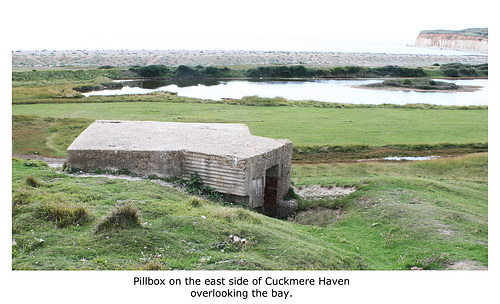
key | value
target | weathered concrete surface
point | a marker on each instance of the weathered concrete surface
(226, 156)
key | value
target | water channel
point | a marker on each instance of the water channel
(338, 91)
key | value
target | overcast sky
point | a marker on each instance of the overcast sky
(227, 24)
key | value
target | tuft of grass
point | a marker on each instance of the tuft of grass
(63, 215)
(425, 260)
(122, 217)
(32, 182)
(154, 264)
(195, 201)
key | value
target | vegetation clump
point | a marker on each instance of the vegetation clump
(418, 84)
(35, 163)
(32, 182)
(63, 215)
(464, 70)
(196, 186)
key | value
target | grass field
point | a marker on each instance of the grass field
(310, 127)
(429, 214)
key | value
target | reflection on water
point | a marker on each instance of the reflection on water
(338, 91)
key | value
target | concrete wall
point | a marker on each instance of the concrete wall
(143, 163)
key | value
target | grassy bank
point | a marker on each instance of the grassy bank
(168, 229)
(428, 214)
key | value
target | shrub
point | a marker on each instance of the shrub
(211, 72)
(153, 71)
(183, 71)
(64, 215)
(451, 72)
(122, 217)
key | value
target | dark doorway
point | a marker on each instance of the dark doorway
(271, 191)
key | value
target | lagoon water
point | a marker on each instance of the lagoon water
(337, 91)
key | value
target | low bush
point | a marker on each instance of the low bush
(154, 71)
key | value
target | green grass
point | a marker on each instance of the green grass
(175, 231)
(405, 211)
(312, 127)
(45, 135)
(426, 214)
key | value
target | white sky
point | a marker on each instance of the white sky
(226, 24)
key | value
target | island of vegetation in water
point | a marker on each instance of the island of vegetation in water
(418, 85)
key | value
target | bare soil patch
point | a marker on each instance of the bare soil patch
(467, 265)
(320, 192)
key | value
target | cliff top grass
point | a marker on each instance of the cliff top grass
(481, 32)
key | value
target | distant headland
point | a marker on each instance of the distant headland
(470, 40)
